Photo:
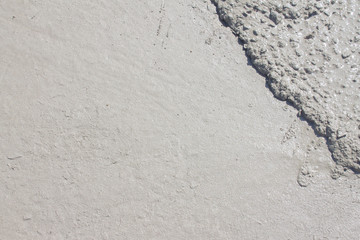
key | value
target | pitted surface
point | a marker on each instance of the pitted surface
(309, 52)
